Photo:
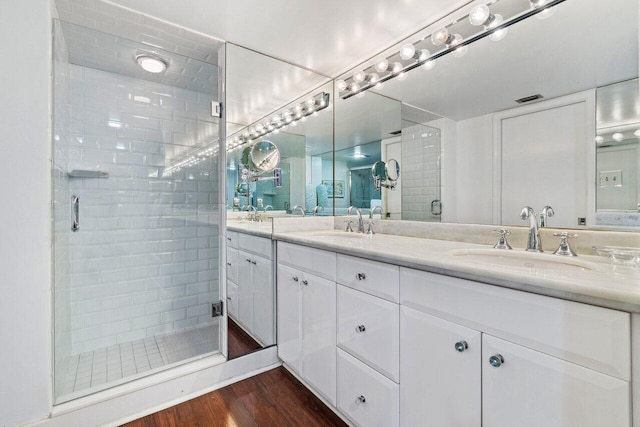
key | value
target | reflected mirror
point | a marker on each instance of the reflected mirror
(264, 156)
(506, 122)
(392, 169)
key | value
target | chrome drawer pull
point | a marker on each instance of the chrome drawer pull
(461, 346)
(229, 264)
(295, 278)
(305, 282)
(360, 328)
(360, 276)
(360, 399)
(75, 213)
(496, 360)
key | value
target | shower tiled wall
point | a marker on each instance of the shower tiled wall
(420, 173)
(145, 260)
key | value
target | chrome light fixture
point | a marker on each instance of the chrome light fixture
(442, 41)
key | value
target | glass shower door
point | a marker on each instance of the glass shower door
(137, 212)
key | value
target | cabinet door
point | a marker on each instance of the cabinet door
(439, 376)
(262, 287)
(289, 313)
(245, 293)
(528, 388)
(232, 299)
(232, 264)
(319, 334)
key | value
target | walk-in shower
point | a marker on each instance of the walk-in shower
(136, 213)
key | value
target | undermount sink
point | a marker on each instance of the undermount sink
(522, 260)
(340, 234)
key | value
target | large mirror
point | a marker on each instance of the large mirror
(268, 173)
(507, 123)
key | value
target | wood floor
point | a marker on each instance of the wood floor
(274, 398)
(239, 342)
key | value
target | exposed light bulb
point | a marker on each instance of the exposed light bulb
(455, 40)
(440, 36)
(259, 127)
(294, 124)
(359, 76)
(276, 131)
(637, 133)
(402, 76)
(382, 66)
(397, 67)
(424, 54)
(373, 78)
(407, 51)
(479, 15)
(311, 101)
(501, 33)
(360, 95)
(461, 51)
(429, 65)
(537, 3)
(599, 139)
(617, 136)
(379, 86)
(354, 87)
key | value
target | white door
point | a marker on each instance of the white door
(319, 334)
(245, 297)
(392, 199)
(289, 321)
(262, 287)
(440, 372)
(526, 388)
(546, 161)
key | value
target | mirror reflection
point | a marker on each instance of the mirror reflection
(510, 122)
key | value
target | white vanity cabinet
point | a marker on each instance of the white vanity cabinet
(528, 375)
(250, 284)
(307, 316)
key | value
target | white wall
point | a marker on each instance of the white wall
(25, 171)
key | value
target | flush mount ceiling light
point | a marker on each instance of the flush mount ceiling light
(444, 40)
(151, 64)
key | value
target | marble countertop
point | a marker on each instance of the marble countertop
(261, 229)
(589, 279)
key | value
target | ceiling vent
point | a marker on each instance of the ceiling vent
(529, 98)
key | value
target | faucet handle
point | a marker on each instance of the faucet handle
(349, 225)
(370, 227)
(564, 249)
(502, 241)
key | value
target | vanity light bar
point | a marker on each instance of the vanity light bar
(280, 120)
(370, 77)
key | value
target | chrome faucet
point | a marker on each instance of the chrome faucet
(534, 244)
(373, 211)
(253, 213)
(266, 208)
(298, 207)
(317, 209)
(547, 212)
(360, 222)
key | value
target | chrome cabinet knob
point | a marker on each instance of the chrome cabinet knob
(229, 238)
(496, 360)
(360, 399)
(461, 346)
(295, 278)
(253, 262)
(360, 276)
(229, 264)
(360, 328)
(305, 282)
(248, 260)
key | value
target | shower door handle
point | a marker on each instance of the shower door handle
(75, 213)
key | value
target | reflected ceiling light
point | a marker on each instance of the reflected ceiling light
(415, 54)
(151, 63)
(637, 133)
(617, 136)
(599, 139)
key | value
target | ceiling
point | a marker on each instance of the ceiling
(326, 36)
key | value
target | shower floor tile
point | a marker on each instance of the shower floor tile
(94, 369)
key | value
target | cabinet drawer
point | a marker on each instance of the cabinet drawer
(376, 278)
(256, 245)
(365, 396)
(369, 329)
(594, 337)
(316, 261)
(232, 239)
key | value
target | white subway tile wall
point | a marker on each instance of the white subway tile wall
(145, 261)
(420, 171)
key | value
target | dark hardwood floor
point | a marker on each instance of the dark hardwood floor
(239, 342)
(274, 398)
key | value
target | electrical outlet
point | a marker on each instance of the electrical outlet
(611, 178)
